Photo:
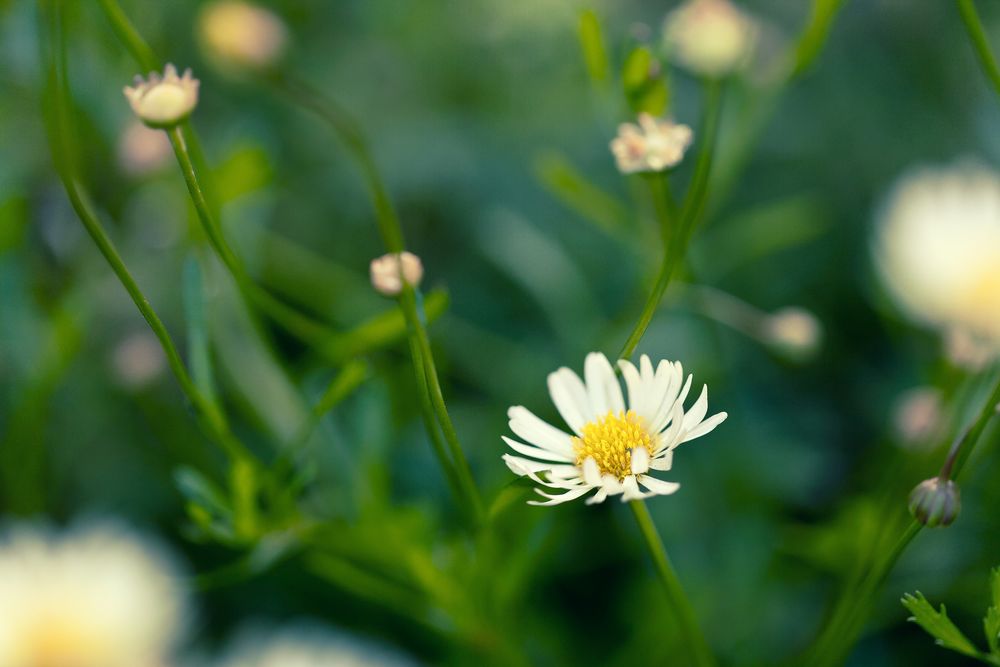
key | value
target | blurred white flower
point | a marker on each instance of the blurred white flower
(95, 597)
(652, 145)
(917, 416)
(142, 150)
(795, 330)
(138, 360)
(938, 248)
(614, 447)
(385, 272)
(709, 37)
(241, 34)
(163, 101)
(968, 351)
(308, 646)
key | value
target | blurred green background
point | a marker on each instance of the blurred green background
(484, 123)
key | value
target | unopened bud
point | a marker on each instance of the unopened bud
(162, 101)
(935, 502)
(389, 271)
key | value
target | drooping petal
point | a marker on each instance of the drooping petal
(559, 476)
(535, 452)
(597, 498)
(538, 432)
(563, 498)
(663, 461)
(705, 427)
(570, 398)
(658, 486)
(631, 490)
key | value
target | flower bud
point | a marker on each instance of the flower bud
(388, 272)
(794, 330)
(241, 35)
(163, 101)
(935, 502)
(709, 37)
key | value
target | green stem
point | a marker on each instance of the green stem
(814, 35)
(970, 17)
(691, 631)
(424, 359)
(691, 211)
(130, 37)
(60, 137)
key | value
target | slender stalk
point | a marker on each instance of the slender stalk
(981, 44)
(130, 37)
(699, 648)
(814, 36)
(852, 609)
(691, 211)
(60, 138)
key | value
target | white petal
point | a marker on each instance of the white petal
(611, 484)
(705, 427)
(559, 476)
(697, 412)
(538, 432)
(663, 461)
(640, 460)
(597, 498)
(635, 385)
(535, 452)
(570, 398)
(671, 437)
(658, 486)
(563, 498)
(603, 390)
(591, 472)
(632, 491)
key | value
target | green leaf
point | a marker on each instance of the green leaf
(938, 625)
(571, 187)
(991, 622)
(595, 55)
(644, 87)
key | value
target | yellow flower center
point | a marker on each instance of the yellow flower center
(610, 440)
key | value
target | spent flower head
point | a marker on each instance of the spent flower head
(651, 145)
(96, 597)
(614, 446)
(710, 37)
(389, 271)
(241, 34)
(163, 101)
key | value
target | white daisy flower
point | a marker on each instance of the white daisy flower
(308, 646)
(97, 597)
(652, 145)
(710, 37)
(614, 447)
(163, 101)
(240, 34)
(938, 248)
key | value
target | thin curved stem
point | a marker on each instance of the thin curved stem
(691, 211)
(981, 44)
(699, 648)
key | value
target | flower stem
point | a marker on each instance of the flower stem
(970, 17)
(690, 214)
(60, 139)
(700, 650)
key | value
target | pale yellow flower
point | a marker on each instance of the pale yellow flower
(388, 272)
(163, 101)
(241, 34)
(652, 145)
(709, 37)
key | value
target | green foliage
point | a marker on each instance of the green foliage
(592, 44)
(643, 83)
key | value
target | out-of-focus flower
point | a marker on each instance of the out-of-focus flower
(138, 360)
(309, 647)
(386, 272)
(142, 150)
(938, 248)
(968, 351)
(241, 34)
(709, 37)
(917, 415)
(97, 597)
(652, 145)
(163, 101)
(935, 502)
(614, 446)
(794, 330)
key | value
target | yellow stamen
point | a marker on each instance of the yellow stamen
(610, 440)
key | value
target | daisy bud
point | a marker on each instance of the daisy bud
(709, 37)
(241, 34)
(935, 502)
(794, 330)
(388, 272)
(163, 101)
(652, 145)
